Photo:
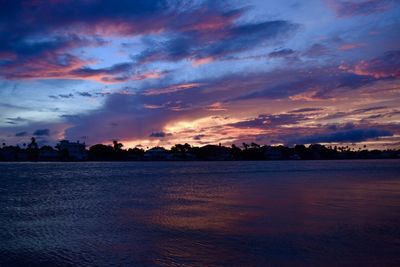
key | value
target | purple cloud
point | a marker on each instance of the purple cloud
(360, 8)
(41, 132)
(346, 136)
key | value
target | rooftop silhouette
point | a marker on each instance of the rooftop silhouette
(76, 151)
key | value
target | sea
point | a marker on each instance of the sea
(237, 213)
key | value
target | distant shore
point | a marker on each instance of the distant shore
(75, 151)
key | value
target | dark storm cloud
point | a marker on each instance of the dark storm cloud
(37, 37)
(117, 72)
(41, 132)
(21, 134)
(159, 134)
(281, 53)
(354, 135)
(340, 127)
(270, 121)
(18, 46)
(243, 37)
(114, 69)
(28, 16)
(66, 95)
(25, 57)
(85, 94)
(219, 42)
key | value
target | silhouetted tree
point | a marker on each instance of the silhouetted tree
(254, 145)
(101, 152)
(181, 151)
(33, 150)
(135, 154)
(236, 152)
(253, 151)
(117, 146)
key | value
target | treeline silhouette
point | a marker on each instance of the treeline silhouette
(67, 151)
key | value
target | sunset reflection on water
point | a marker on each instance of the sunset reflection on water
(205, 214)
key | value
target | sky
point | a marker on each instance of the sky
(161, 72)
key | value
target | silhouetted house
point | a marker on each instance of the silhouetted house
(157, 153)
(272, 153)
(295, 157)
(72, 151)
(47, 153)
(213, 152)
(9, 153)
(135, 154)
(13, 153)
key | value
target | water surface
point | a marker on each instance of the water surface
(283, 213)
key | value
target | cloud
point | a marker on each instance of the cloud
(317, 50)
(385, 66)
(66, 95)
(270, 121)
(218, 59)
(15, 120)
(121, 116)
(305, 110)
(39, 39)
(218, 43)
(85, 94)
(350, 46)
(199, 137)
(299, 84)
(359, 8)
(171, 89)
(47, 66)
(41, 132)
(281, 53)
(125, 18)
(346, 136)
(115, 73)
(41, 58)
(149, 75)
(159, 134)
(21, 134)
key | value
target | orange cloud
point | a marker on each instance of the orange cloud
(202, 61)
(148, 75)
(350, 46)
(171, 89)
(217, 106)
(384, 66)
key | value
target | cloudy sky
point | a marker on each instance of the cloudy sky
(158, 72)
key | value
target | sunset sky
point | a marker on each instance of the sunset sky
(203, 72)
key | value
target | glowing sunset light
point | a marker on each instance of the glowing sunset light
(158, 72)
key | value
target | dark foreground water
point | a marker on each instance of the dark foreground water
(293, 213)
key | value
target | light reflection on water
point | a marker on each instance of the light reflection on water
(303, 213)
